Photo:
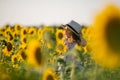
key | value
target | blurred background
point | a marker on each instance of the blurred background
(49, 12)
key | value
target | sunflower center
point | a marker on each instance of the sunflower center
(113, 34)
(24, 40)
(60, 35)
(24, 32)
(38, 55)
(9, 46)
(15, 59)
(11, 37)
(50, 77)
(31, 32)
(24, 56)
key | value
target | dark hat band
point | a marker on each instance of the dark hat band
(72, 28)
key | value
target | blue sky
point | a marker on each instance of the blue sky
(49, 12)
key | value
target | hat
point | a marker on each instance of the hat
(74, 26)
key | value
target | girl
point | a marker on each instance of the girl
(73, 37)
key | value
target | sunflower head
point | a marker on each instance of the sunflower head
(14, 59)
(23, 31)
(32, 31)
(49, 74)
(8, 49)
(34, 54)
(59, 34)
(61, 47)
(17, 27)
(105, 37)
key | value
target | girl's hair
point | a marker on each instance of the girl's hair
(76, 38)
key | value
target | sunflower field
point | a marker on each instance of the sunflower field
(36, 53)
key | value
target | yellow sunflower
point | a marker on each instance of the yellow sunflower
(84, 29)
(23, 39)
(6, 27)
(8, 49)
(23, 31)
(1, 32)
(59, 34)
(14, 59)
(21, 55)
(17, 27)
(15, 33)
(8, 34)
(86, 32)
(106, 39)
(34, 54)
(49, 74)
(61, 47)
(32, 31)
(39, 31)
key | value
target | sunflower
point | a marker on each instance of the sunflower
(8, 34)
(21, 55)
(1, 33)
(86, 32)
(17, 27)
(16, 30)
(39, 31)
(49, 74)
(23, 31)
(16, 33)
(59, 35)
(34, 54)
(61, 47)
(23, 39)
(14, 59)
(106, 38)
(8, 49)
(84, 29)
(5, 27)
(32, 31)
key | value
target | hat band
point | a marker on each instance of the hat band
(73, 29)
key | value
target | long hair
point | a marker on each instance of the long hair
(76, 38)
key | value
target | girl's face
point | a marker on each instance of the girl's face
(68, 32)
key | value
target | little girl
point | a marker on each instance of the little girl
(73, 37)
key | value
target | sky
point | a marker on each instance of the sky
(50, 12)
